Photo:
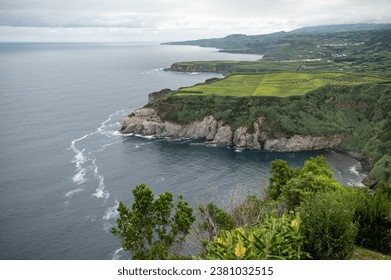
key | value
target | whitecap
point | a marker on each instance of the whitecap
(355, 184)
(145, 136)
(85, 161)
(354, 169)
(79, 177)
(70, 193)
(116, 254)
(161, 179)
(79, 158)
(103, 147)
(111, 212)
(100, 190)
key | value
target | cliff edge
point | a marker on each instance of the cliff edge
(353, 119)
(147, 122)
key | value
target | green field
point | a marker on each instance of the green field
(276, 84)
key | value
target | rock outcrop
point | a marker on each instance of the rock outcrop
(147, 122)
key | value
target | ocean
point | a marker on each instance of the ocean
(64, 167)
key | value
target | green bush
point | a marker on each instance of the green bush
(153, 226)
(280, 174)
(327, 220)
(214, 220)
(292, 185)
(275, 238)
(374, 218)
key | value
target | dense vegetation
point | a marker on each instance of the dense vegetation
(153, 228)
(304, 214)
(356, 43)
(361, 114)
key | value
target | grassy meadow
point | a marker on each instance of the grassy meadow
(282, 84)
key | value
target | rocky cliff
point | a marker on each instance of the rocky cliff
(147, 122)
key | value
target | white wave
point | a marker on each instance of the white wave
(238, 150)
(100, 190)
(79, 158)
(79, 177)
(145, 136)
(116, 254)
(355, 184)
(105, 124)
(103, 147)
(111, 212)
(152, 71)
(69, 194)
(85, 161)
(73, 142)
(157, 69)
(355, 169)
(161, 179)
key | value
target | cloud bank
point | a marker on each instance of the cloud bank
(128, 20)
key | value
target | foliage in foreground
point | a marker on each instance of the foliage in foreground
(374, 217)
(274, 239)
(152, 227)
(305, 215)
(334, 218)
(328, 226)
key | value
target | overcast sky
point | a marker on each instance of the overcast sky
(169, 20)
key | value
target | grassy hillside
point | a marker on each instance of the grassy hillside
(276, 84)
(310, 43)
(378, 64)
(359, 112)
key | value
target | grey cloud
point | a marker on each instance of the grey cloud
(188, 17)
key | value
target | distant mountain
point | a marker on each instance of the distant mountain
(319, 42)
(342, 28)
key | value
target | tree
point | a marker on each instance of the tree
(152, 227)
(280, 174)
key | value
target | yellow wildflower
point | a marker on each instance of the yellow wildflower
(295, 224)
(221, 241)
(240, 250)
(238, 236)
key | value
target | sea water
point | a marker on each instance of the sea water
(64, 167)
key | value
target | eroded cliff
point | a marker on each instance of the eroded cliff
(147, 122)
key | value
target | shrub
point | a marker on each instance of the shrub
(152, 226)
(214, 220)
(374, 218)
(275, 238)
(327, 220)
(307, 184)
(292, 185)
(280, 174)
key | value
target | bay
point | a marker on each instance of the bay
(64, 167)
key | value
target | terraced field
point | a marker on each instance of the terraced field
(276, 84)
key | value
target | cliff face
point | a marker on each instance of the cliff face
(147, 122)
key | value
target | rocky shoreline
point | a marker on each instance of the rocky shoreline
(147, 122)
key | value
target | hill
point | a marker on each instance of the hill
(281, 84)
(315, 88)
(326, 42)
